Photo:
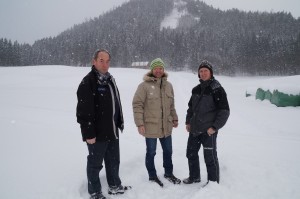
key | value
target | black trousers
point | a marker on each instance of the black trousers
(209, 144)
(108, 151)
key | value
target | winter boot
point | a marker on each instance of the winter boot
(155, 179)
(113, 190)
(97, 195)
(172, 179)
(191, 180)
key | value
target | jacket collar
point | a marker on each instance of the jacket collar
(148, 77)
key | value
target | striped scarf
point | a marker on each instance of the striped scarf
(103, 79)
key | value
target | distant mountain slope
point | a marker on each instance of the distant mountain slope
(182, 32)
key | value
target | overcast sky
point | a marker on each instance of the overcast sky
(29, 20)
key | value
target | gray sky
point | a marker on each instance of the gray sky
(29, 20)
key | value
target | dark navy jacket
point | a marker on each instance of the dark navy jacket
(98, 112)
(208, 107)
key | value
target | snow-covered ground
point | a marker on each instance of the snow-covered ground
(171, 20)
(42, 155)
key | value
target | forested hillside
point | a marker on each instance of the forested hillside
(235, 42)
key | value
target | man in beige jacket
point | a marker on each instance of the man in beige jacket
(155, 116)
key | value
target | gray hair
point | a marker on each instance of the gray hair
(99, 51)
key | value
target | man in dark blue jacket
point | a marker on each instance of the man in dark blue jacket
(208, 111)
(99, 113)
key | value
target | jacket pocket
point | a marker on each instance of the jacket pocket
(151, 120)
(151, 125)
(152, 95)
(169, 99)
(170, 96)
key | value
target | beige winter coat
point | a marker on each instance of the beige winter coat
(153, 106)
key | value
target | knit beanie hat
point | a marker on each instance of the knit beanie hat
(205, 64)
(158, 62)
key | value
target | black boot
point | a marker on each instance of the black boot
(113, 190)
(155, 179)
(173, 179)
(191, 180)
(97, 195)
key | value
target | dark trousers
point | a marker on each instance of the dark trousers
(108, 151)
(166, 144)
(209, 144)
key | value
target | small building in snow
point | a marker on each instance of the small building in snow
(140, 64)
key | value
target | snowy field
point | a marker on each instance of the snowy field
(42, 155)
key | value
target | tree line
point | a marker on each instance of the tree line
(235, 42)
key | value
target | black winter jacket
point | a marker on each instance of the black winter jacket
(208, 107)
(96, 113)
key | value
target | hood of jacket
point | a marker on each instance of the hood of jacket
(149, 77)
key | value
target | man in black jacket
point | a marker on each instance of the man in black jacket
(99, 113)
(208, 111)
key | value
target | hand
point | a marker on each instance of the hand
(211, 131)
(175, 123)
(141, 130)
(188, 127)
(91, 141)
